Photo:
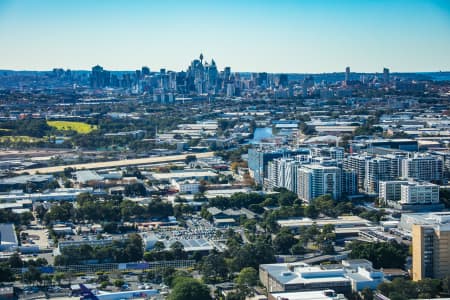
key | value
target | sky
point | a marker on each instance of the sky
(292, 36)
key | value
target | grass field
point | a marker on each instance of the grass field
(79, 127)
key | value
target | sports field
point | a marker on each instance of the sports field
(79, 127)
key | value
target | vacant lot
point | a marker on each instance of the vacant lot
(79, 127)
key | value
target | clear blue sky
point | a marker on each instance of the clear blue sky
(302, 36)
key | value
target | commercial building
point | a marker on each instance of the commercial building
(186, 186)
(295, 277)
(430, 243)
(8, 238)
(23, 181)
(338, 223)
(419, 193)
(310, 295)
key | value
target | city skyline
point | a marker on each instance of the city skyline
(281, 37)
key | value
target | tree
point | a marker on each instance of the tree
(284, 241)
(428, 288)
(15, 261)
(189, 289)
(159, 246)
(213, 267)
(247, 276)
(367, 294)
(382, 255)
(58, 276)
(298, 249)
(6, 273)
(32, 275)
(118, 283)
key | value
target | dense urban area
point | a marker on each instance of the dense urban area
(214, 184)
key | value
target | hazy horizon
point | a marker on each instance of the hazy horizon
(286, 36)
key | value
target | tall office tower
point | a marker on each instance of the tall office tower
(196, 73)
(430, 245)
(227, 74)
(317, 180)
(347, 74)
(283, 80)
(99, 77)
(357, 163)
(377, 169)
(386, 76)
(145, 71)
(172, 80)
(230, 90)
(164, 81)
(262, 80)
(429, 168)
(211, 76)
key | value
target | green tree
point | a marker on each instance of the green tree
(284, 241)
(118, 283)
(446, 285)
(6, 273)
(15, 261)
(247, 276)
(213, 267)
(32, 275)
(189, 289)
(382, 255)
(367, 294)
(428, 288)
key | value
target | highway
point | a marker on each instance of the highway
(116, 163)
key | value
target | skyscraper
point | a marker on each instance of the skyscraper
(386, 76)
(347, 74)
(99, 77)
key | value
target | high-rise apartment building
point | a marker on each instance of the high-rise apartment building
(317, 180)
(429, 168)
(377, 169)
(357, 163)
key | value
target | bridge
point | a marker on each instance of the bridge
(117, 163)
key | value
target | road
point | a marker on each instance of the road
(117, 163)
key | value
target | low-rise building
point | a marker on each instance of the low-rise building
(310, 295)
(186, 186)
(351, 276)
(8, 238)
